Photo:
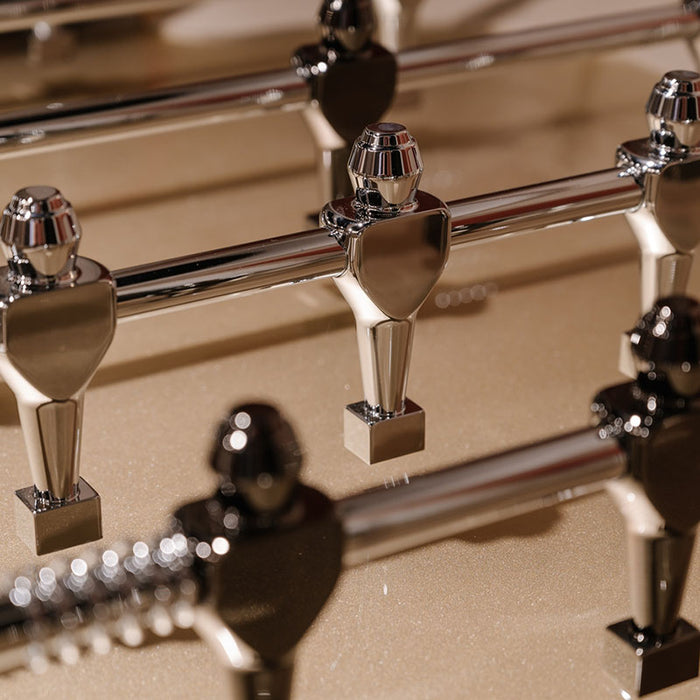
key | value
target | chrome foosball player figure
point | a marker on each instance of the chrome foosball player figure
(397, 239)
(667, 167)
(656, 418)
(352, 80)
(58, 313)
(275, 546)
(248, 569)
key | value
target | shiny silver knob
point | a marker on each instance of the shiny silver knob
(40, 235)
(673, 106)
(349, 23)
(385, 168)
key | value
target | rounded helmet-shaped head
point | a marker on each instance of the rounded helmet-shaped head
(674, 107)
(666, 341)
(385, 168)
(39, 234)
(347, 23)
(257, 452)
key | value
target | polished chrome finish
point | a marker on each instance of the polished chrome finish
(229, 98)
(644, 664)
(396, 239)
(256, 451)
(261, 542)
(385, 168)
(119, 595)
(250, 678)
(375, 439)
(46, 526)
(544, 205)
(352, 83)
(347, 22)
(58, 319)
(16, 15)
(655, 648)
(445, 503)
(39, 234)
(430, 65)
(53, 341)
(659, 558)
(666, 341)
(227, 272)
(673, 106)
(656, 419)
(667, 229)
(266, 543)
(667, 165)
(250, 95)
(309, 255)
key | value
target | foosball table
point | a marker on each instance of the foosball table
(437, 256)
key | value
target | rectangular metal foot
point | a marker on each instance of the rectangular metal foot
(644, 665)
(46, 530)
(374, 440)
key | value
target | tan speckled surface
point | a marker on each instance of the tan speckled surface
(516, 610)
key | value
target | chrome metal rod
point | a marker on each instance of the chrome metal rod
(17, 15)
(238, 270)
(445, 62)
(394, 518)
(549, 204)
(198, 102)
(310, 255)
(55, 126)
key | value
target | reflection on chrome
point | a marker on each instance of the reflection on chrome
(249, 94)
(652, 177)
(344, 62)
(656, 418)
(182, 581)
(657, 190)
(385, 521)
(58, 317)
(396, 239)
(668, 168)
(237, 581)
(249, 567)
